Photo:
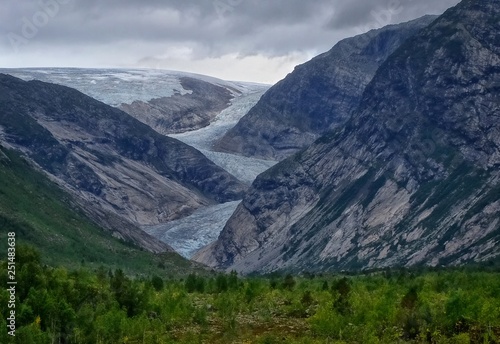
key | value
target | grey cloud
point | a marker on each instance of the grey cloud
(209, 28)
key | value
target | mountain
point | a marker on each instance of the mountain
(316, 96)
(46, 217)
(119, 87)
(123, 173)
(413, 178)
(180, 95)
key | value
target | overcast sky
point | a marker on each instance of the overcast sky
(250, 40)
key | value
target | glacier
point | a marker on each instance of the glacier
(115, 86)
(243, 168)
(188, 235)
(118, 86)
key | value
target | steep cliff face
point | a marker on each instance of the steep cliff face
(412, 178)
(317, 96)
(122, 171)
(183, 112)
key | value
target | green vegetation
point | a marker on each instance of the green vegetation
(41, 215)
(55, 305)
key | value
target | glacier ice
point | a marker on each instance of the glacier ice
(189, 234)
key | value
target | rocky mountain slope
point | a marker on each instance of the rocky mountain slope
(412, 178)
(316, 96)
(41, 214)
(123, 172)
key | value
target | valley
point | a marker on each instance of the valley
(357, 200)
(118, 87)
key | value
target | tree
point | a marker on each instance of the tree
(324, 287)
(200, 284)
(232, 280)
(289, 282)
(128, 294)
(410, 300)
(306, 299)
(343, 288)
(190, 283)
(157, 283)
(221, 284)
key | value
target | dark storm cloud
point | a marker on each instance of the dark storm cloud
(143, 30)
(376, 12)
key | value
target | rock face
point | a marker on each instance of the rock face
(412, 178)
(123, 173)
(182, 112)
(317, 96)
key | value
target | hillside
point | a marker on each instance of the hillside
(410, 181)
(43, 215)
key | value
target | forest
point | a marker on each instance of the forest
(82, 305)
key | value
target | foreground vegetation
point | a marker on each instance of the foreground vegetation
(82, 306)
